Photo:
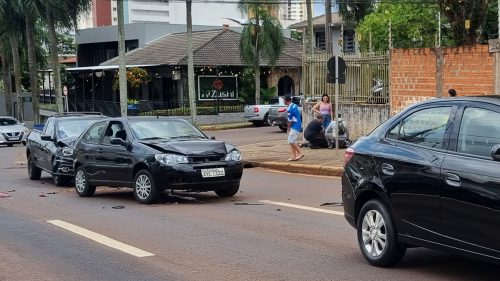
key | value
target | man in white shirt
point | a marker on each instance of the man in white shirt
(330, 133)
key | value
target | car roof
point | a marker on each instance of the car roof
(492, 99)
(149, 118)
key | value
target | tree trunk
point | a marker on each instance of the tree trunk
(7, 82)
(33, 68)
(257, 81)
(328, 22)
(310, 31)
(17, 76)
(122, 64)
(191, 89)
(54, 59)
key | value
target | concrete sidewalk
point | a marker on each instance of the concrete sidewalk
(273, 155)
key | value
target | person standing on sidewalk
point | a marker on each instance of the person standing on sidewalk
(294, 127)
(324, 107)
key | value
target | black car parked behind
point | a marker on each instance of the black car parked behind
(152, 154)
(429, 176)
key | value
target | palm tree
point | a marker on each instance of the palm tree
(261, 37)
(61, 14)
(6, 76)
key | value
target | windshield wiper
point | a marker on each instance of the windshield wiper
(154, 138)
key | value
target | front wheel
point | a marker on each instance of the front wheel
(145, 191)
(34, 172)
(82, 185)
(229, 191)
(377, 236)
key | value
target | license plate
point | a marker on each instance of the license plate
(212, 173)
(13, 138)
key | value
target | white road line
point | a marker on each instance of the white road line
(101, 239)
(302, 207)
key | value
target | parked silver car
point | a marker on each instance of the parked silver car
(12, 131)
(277, 114)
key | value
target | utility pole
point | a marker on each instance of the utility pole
(122, 71)
(192, 97)
(310, 32)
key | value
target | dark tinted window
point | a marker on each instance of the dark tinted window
(479, 131)
(94, 134)
(425, 127)
(7, 121)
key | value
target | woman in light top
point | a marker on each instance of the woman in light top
(324, 107)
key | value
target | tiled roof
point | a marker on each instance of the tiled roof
(215, 47)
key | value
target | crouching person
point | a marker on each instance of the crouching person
(315, 134)
(343, 134)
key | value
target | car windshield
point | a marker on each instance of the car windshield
(164, 129)
(73, 127)
(8, 121)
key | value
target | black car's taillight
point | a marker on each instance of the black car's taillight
(349, 153)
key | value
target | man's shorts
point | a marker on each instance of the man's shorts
(292, 136)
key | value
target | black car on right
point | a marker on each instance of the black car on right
(430, 177)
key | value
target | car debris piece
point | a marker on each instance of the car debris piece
(332, 204)
(118, 207)
(42, 195)
(4, 195)
(245, 203)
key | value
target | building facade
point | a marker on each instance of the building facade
(292, 12)
(105, 13)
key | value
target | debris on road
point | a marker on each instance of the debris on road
(245, 203)
(42, 195)
(338, 204)
(118, 207)
(278, 210)
(4, 195)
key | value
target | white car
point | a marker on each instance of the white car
(12, 131)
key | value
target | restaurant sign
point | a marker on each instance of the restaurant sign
(212, 87)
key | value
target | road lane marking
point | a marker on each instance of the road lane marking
(101, 239)
(302, 207)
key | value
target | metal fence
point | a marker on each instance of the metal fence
(367, 77)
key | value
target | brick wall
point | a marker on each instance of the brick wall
(469, 70)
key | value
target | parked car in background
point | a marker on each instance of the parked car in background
(278, 115)
(258, 114)
(51, 149)
(150, 155)
(12, 131)
(429, 177)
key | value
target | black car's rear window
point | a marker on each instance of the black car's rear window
(73, 127)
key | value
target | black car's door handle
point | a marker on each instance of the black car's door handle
(452, 180)
(388, 169)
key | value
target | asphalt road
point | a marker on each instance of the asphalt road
(196, 236)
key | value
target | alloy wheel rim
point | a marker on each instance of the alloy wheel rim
(374, 233)
(143, 187)
(80, 181)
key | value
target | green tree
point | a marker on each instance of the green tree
(412, 26)
(490, 28)
(261, 37)
(457, 12)
(354, 11)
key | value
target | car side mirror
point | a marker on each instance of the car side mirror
(495, 152)
(46, 138)
(118, 141)
(212, 138)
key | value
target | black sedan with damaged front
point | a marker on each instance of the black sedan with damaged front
(153, 154)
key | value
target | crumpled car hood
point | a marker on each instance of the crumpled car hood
(69, 142)
(189, 147)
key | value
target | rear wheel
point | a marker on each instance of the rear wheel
(34, 172)
(145, 191)
(266, 120)
(282, 127)
(82, 185)
(258, 123)
(377, 236)
(229, 191)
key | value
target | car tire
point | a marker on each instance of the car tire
(61, 180)
(258, 123)
(82, 185)
(283, 128)
(377, 236)
(266, 120)
(34, 173)
(229, 191)
(145, 191)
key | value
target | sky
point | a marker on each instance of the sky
(319, 9)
